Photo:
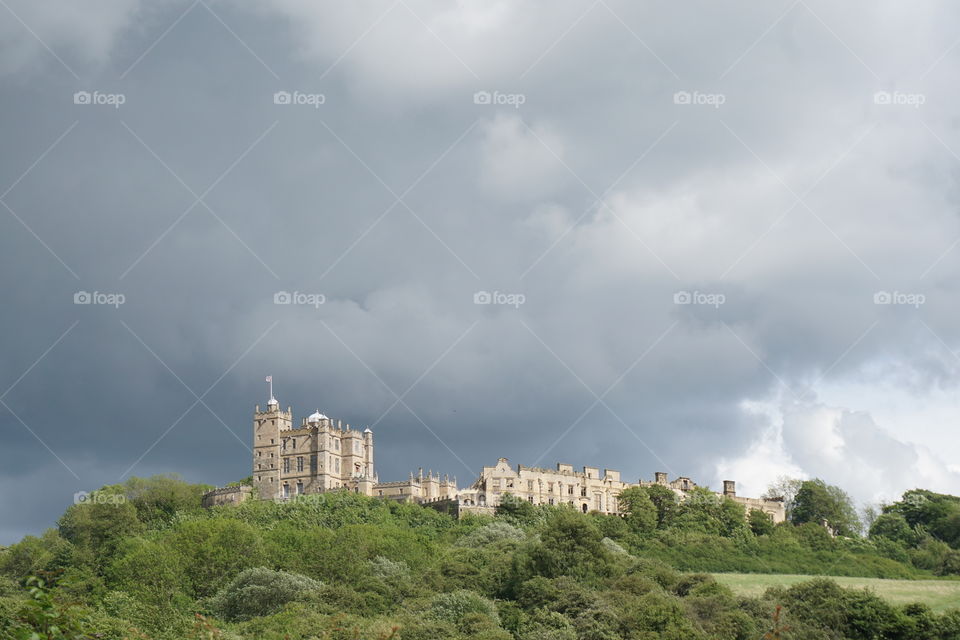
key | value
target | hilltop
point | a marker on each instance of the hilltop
(146, 560)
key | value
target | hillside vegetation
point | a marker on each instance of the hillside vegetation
(144, 560)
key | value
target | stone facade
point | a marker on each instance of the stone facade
(321, 454)
(316, 456)
(418, 488)
(586, 490)
(227, 495)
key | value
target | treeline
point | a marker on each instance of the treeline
(143, 560)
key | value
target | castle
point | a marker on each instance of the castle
(321, 455)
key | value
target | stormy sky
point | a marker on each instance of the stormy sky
(713, 239)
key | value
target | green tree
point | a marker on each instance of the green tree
(818, 502)
(760, 522)
(98, 524)
(666, 502)
(642, 515)
(893, 526)
(158, 498)
(517, 510)
(215, 550)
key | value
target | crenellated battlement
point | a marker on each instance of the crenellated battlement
(322, 454)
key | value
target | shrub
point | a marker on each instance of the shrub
(493, 532)
(260, 592)
(454, 607)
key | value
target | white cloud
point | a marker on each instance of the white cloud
(840, 446)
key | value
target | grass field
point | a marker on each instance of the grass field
(940, 595)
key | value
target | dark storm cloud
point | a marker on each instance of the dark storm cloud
(590, 189)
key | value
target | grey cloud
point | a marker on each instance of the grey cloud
(304, 199)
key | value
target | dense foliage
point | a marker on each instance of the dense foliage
(143, 560)
(923, 526)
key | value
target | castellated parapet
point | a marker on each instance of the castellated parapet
(321, 454)
(318, 455)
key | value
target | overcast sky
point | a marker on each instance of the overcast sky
(713, 239)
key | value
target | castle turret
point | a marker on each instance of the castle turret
(267, 426)
(730, 488)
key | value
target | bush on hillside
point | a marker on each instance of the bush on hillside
(260, 592)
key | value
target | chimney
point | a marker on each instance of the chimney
(730, 488)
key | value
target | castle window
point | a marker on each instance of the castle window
(286, 465)
(550, 488)
(300, 464)
(286, 491)
(294, 442)
(583, 493)
(529, 485)
(299, 488)
(530, 498)
(336, 444)
(570, 489)
(313, 463)
(337, 462)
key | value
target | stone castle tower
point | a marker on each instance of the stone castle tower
(321, 455)
(316, 456)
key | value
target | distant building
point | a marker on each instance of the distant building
(321, 455)
(586, 490)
